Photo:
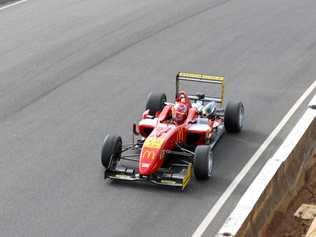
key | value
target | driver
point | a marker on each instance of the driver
(180, 110)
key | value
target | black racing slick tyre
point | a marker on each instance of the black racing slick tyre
(234, 117)
(111, 151)
(203, 163)
(155, 102)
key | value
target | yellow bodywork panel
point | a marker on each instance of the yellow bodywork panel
(187, 177)
(153, 142)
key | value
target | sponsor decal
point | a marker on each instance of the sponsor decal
(145, 165)
(165, 181)
(180, 135)
(153, 142)
(201, 76)
(122, 176)
(149, 155)
(162, 155)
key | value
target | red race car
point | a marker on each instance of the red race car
(174, 139)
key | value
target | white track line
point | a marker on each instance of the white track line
(12, 4)
(221, 201)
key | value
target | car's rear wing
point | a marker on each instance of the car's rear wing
(203, 78)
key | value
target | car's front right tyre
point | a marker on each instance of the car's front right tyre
(155, 102)
(111, 151)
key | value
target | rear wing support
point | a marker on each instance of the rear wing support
(202, 78)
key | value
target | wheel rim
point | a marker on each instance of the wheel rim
(116, 156)
(241, 116)
(210, 164)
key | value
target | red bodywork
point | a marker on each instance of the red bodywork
(162, 134)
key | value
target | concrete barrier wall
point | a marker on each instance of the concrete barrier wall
(277, 183)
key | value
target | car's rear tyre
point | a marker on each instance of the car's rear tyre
(111, 151)
(234, 117)
(203, 163)
(155, 102)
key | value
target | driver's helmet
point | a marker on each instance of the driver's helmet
(182, 98)
(180, 112)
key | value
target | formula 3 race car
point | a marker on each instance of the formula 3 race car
(167, 151)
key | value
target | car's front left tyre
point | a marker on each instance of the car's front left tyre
(203, 163)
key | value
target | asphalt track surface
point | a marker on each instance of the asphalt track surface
(73, 70)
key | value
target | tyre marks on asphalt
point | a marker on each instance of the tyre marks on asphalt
(10, 3)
